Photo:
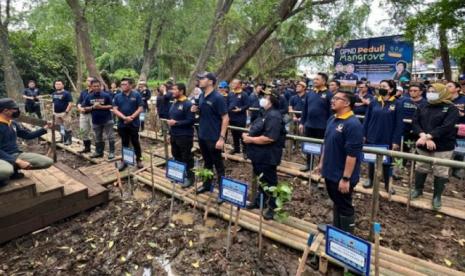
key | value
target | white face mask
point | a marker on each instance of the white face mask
(431, 96)
(263, 102)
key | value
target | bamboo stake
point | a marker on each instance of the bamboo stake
(375, 198)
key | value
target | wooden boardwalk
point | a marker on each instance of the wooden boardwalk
(44, 197)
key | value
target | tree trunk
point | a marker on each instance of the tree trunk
(150, 53)
(222, 8)
(285, 10)
(79, 76)
(239, 59)
(83, 36)
(444, 50)
(13, 82)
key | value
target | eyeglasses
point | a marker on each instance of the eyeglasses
(337, 99)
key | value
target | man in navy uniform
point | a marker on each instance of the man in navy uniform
(31, 95)
(341, 159)
(127, 106)
(85, 119)
(213, 123)
(62, 104)
(238, 106)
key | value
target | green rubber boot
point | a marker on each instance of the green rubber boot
(439, 184)
(420, 179)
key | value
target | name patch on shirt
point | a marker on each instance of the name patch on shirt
(209, 103)
(444, 109)
(340, 127)
(180, 108)
(323, 96)
(133, 99)
(392, 107)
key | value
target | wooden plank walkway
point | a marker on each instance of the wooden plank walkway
(44, 197)
(391, 262)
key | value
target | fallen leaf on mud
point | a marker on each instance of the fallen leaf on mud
(455, 192)
(462, 242)
(196, 264)
(127, 274)
(154, 228)
(152, 244)
(172, 225)
(275, 246)
(438, 216)
(149, 257)
(401, 251)
(110, 244)
(191, 243)
(71, 250)
(89, 239)
(433, 236)
(447, 233)
(122, 259)
(81, 265)
(93, 246)
(170, 240)
(448, 263)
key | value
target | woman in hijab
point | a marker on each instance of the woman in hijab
(435, 125)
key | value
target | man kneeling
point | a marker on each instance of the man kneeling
(12, 159)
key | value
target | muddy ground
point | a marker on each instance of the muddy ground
(131, 235)
(420, 233)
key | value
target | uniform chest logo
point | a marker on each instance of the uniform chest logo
(58, 97)
(392, 107)
(180, 108)
(323, 96)
(132, 99)
(209, 103)
(444, 109)
(340, 127)
(13, 126)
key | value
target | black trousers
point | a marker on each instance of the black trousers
(342, 202)
(131, 134)
(181, 149)
(212, 157)
(237, 137)
(269, 176)
(386, 173)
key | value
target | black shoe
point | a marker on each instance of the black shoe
(111, 155)
(96, 155)
(269, 214)
(140, 165)
(251, 205)
(122, 166)
(439, 184)
(17, 175)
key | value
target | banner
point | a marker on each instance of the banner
(376, 59)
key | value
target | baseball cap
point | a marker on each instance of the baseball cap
(207, 75)
(223, 84)
(8, 103)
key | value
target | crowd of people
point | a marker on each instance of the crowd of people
(387, 114)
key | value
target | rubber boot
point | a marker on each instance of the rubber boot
(111, 154)
(98, 150)
(86, 149)
(420, 179)
(269, 213)
(439, 184)
(219, 200)
(122, 166)
(206, 187)
(68, 138)
(347, 223)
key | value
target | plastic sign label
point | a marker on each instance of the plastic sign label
(348, 249)
(175, 171)
(142, 116)
(233, 192)
(460, 147)
(371, 157)
(129, 156)
(311, 148)
(62, 130)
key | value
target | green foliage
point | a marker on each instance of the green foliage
(125, 72)
(282, 194)
(204, 174)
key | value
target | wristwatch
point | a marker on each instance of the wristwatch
(345, 178)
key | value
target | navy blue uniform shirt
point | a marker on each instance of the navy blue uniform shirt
(145, 94)
(239, 100)
(271, 125)
(362, 109)
(383, 123)
(283, 105)
(409, 107)
(254, 102)
(297, 103)
(343, 137)
(99, 116)
(459, 102)
(164, 104)
(128, 104)
(180, 111)
(31, 93)
(9, 131)
(289, 93)
(61, 101)
(317, 109)
(82, 97)
(212, 108)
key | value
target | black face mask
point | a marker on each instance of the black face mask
(16, 113)
(382, 92)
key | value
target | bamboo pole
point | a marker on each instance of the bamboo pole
(375, 198)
